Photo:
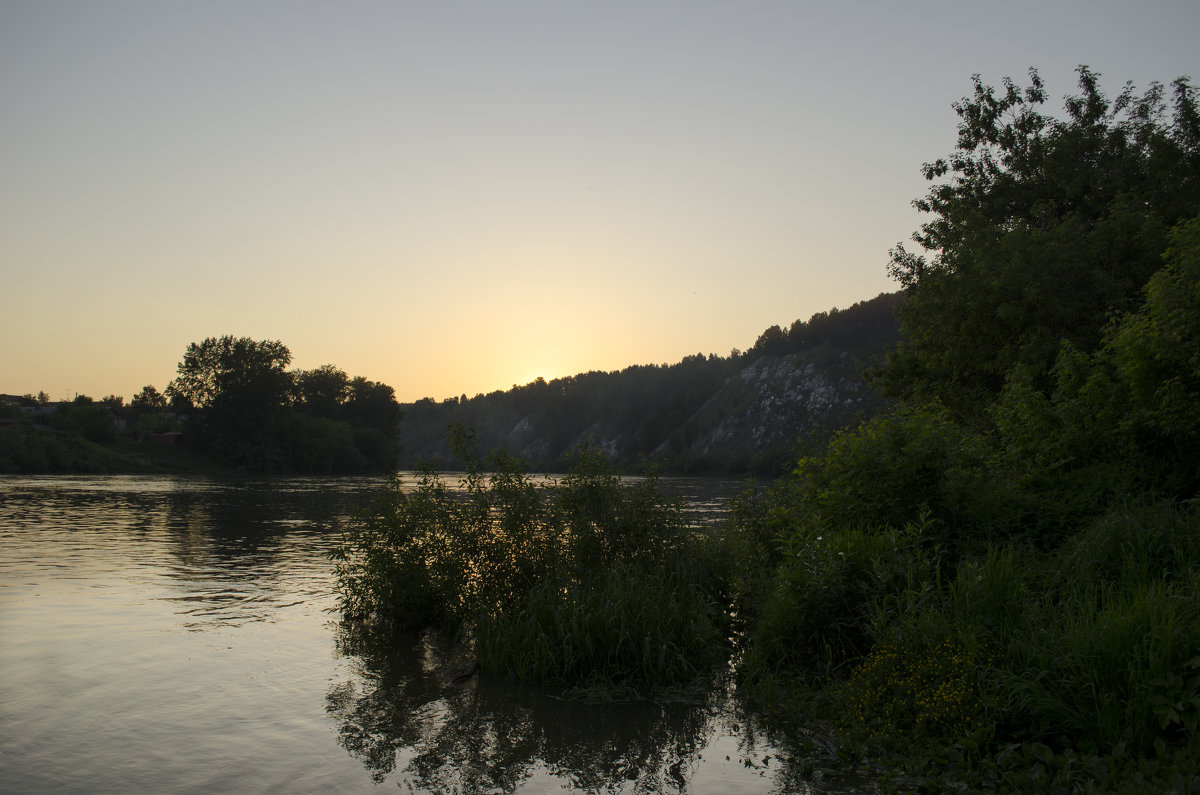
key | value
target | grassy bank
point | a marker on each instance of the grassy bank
(1011, 669)
(26, 448)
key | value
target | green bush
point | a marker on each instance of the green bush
(897, 468)
(28, 448)
(924, 684)
(1100, 669)
(1122, 420)
(431, 558)
(827, 594)
(588, 582)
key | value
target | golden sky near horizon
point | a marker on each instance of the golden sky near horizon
(458, 197)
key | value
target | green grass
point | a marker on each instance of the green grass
(26, 448)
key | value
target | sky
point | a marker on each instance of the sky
(458, 197)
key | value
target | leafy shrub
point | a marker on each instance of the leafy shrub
(1133, 545)
(589, 581)
(607, 522)
(1086, 671)
(1122, 420)
(433, 558)
(915, 462)
(827, 593)
(922, 684)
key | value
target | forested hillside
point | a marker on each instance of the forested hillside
(744, 412)
(993, 585)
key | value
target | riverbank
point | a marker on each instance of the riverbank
(28, 449)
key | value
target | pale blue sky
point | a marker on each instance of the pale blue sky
(457, 197)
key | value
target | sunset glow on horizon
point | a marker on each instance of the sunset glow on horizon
(456, 198)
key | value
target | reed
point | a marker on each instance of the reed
(588, 582)
(626, 628)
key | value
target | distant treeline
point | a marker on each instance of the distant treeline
(240, 403)
(654, 412)
(234, 401)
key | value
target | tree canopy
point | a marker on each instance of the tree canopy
(1020, 529)
(1041, 228)
(235, 373)
(244, 406)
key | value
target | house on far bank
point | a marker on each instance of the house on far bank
(40, 411)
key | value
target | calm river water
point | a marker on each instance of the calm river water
(172, 635)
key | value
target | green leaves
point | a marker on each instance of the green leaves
(1041, 229)
(590, 581)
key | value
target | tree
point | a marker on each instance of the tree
(234, 374)
(148, 400)
(323, 390)
(374, 414)
(372, 404)
(84, 416)
(233, 390)
(148, 412)
(1041, 229)
(772, 342)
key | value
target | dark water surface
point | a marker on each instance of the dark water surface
(171, 635)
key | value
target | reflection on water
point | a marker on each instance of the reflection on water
(404, 715)
(160, 634)
(484, 735)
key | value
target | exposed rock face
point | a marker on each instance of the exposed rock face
(758, 415)
(775, 401)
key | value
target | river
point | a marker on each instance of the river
(177, 635)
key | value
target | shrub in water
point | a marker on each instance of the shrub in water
(622, 628)
(590, 582)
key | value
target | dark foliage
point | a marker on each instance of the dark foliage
(663, 413)
(993, 586)
(586, 582)
(244, 407)
(1042, 228)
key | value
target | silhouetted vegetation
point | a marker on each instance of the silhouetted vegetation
(583, 582)
(244, 407)
(234, 402)
(29, 448)
(1042, 229)
(698, 415)
(993, 585)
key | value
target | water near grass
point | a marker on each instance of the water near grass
(168, 635)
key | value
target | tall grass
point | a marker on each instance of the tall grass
(1092, 648)
(587, 582)
(620, 629)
